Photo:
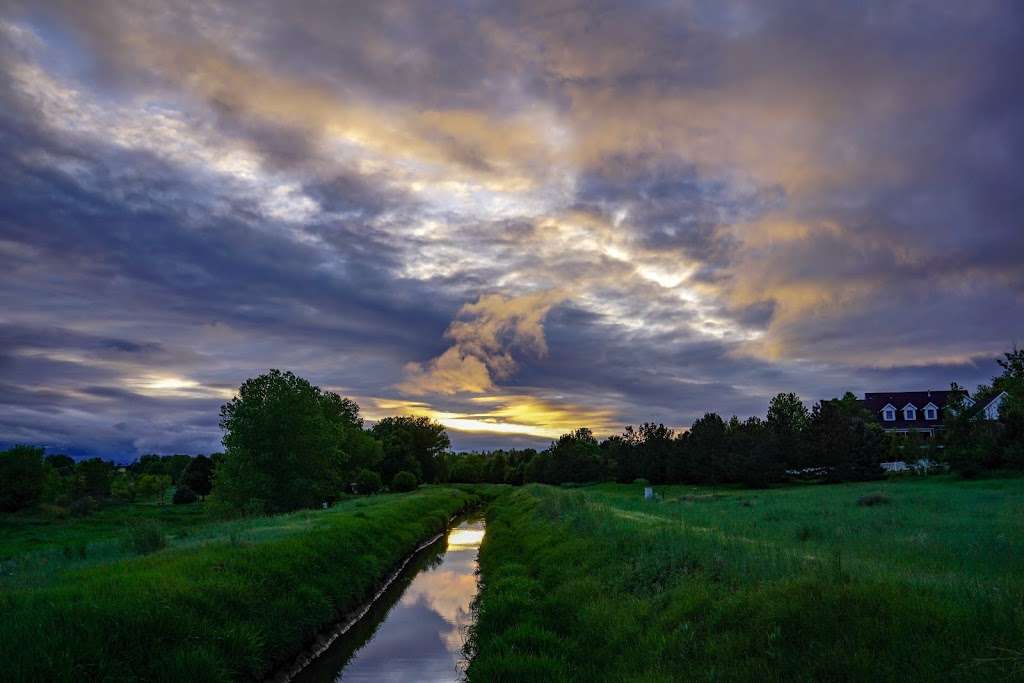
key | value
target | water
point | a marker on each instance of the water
(416, 630)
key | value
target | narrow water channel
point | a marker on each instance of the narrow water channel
(416, 629)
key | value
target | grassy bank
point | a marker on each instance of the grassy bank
(915, 580)
(229, 601)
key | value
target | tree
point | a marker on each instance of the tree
(183, 495)
(198, 476)
(61, 463)
(122, 486)
(752, 456)
(787, 421)
(22, 476)
(288, 445)
(94, 477)
(654, 449)
(705, 451)
(845, 437)
(411, 443)
(403, 481)
(368, 481)
(152, 485)
(574, 457)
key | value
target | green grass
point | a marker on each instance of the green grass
(226, 600)
(790, 584)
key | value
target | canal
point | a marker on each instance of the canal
(416, 629)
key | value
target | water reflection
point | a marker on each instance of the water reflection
(415, 631)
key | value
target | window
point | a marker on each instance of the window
(930, 413)
(889, 415)
(909, 413)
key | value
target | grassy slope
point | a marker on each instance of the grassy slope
(230, 601)
(789, 584)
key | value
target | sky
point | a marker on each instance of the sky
(515, 217)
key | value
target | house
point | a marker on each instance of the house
(988, 408)
(906, 412)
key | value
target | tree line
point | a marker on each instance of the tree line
(289, 445)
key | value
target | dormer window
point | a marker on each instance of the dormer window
(909, 412)
(889, 413)
(931, 412)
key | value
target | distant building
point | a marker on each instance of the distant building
(904, 412)
(988, 407)
(921, 412)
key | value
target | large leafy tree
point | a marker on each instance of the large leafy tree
(22, 476)
(703, 457)
(845, 437)
(575, 457)
(414, 444)
(787, 423)
(198, 476)
(288, 444)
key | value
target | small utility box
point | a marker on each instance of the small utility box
(648, 493)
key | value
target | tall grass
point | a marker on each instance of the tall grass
(231, 601)
(798, 583)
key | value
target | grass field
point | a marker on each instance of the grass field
(223, 600)
(795, 583)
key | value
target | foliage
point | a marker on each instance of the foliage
(122, 487)
(198, 476)
(93, 478)
(289, 444)
(974, 444)
(152, 485)
(22, 477)
(410, 443)
(183, 495)
(84, 506)
(368, 482)
(846, 438)
(146, 537)
(403, 481)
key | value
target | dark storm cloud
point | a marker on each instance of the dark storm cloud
(710, 202)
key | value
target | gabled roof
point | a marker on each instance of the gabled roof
(876, 402)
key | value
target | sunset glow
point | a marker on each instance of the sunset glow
(517, 219)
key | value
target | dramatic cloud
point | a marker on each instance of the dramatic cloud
(517, 217)
(485, 334)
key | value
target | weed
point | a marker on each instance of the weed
(146, 537)
(872, 499)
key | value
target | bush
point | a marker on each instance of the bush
(146, 537)
(873, 499)
(83, 507)
(184, 495)
(368, 481)
(403, 481)
(641, 482)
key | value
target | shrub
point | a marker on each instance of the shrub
(146, 537)
(641, 482)
(368, 481)
(184, 495)
(83, 507)
(403, 481)
(872, 499)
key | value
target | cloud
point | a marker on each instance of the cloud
(652, 210)
(485, 334)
